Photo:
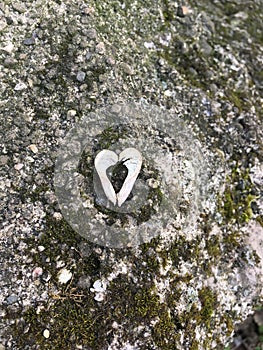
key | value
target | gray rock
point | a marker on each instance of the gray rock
(81, 76)
(3, 160)
(91, 33)
(11, 299)
(127, 68)
(29, 41)
(9, 61)
(88, 56)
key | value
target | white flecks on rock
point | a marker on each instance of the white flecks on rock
(64, 276)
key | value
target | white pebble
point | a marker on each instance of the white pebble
(38, 271)
(18, 166)
(20, 86)
(71, 113)
(99, 296)
(98, 286)
(46, 333)
(33, 148)
(41, 248)
(64, 276)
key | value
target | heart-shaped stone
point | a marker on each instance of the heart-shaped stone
(131, 158)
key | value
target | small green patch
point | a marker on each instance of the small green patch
(208, 301)
(164, 333)
(235, 204)
(259, 219)
(260, 329)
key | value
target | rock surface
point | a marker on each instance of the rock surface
(61, 60)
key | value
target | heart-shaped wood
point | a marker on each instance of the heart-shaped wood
(132, 159)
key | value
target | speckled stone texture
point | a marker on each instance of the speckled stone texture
(201, 62)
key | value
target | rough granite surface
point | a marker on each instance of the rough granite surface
(201, 61)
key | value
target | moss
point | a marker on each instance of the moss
(168, 13)
(58, 233)
(239, 99)
(194, 345)
(235, 204)
(213, 247)
(229, 324)
(164, 332)
(68, 322)
(184, 250)
(208, 301)
(259, 219)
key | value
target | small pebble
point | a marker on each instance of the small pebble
(88, 10)
(98, 286)
(99, 297)
(64, 276)
(168, 93)
(153, 183)
(84, 282)
(29, 41)
(127, 68)
(182, 11)
(33, 148)
(18, 166)
(100, 48)
(111, 61)
(91, 33)
(46, 333)
(81, 76)
(3, 160)
(38, 271)
(57, 215)
(71, 113)
(12, 299)
(20, 86)
(9, 61)
(88, 55)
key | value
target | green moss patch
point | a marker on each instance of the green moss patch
(235, 204)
